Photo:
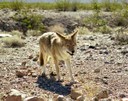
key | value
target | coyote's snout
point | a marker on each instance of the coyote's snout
(55, 47)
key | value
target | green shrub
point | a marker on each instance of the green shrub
(120, 18)
(111, 5)
(98, 22)
(29, 20)
(63, 5)
(95, 5)
(17, 4)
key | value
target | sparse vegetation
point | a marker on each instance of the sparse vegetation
(34, 32)
(17, 4)
(121, 37)
(67, 5)
(92, 89)
(16, 33)
(83, 30)
(29, 21)
(13, 41)
(97, 23)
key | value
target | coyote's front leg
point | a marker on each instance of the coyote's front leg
(56, 62)
(68, 65)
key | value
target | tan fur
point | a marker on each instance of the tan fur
(56, 47)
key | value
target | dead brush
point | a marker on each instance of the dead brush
(57, 28)
(13, 41)
(121, 36)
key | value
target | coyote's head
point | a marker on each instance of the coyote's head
(69, 42)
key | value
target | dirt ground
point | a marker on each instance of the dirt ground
(98, 59)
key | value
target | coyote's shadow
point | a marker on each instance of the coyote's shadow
(53, 86)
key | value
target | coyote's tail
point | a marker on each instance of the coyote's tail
(41, 60)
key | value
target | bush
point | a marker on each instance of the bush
(14, 41)
(34, 33)
(120, 18)
(121, 37)
(63, 5)
(111, 5)
(29, 20)
(17, 4)
(97, 23)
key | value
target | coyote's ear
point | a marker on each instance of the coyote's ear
(73, 35)
(60, 35)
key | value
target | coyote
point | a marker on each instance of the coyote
(56, 47)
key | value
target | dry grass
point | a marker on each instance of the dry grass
(122, 37)
(91, 89)
(13, 41)
(83, 30)
(57, 28)
(34, 33)
(17, 33)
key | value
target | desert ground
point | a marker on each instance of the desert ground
(99, 63)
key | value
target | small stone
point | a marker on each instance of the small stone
(23, 63)
(75, 93)
(122, 95)
(21, 73)
(95, 99)
(15, 95)
(34, 75)
(33, 98)
(30, 57)
(97, 70)
(103, 94)
(92, 47)
(80, 98)
(35, 59)
(106, 99)
(59, 98)
(5, 35)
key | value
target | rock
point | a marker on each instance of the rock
(92, 47)
(33, 98)
(95, 99)
(59, 98)
(5, 35)
(124, 99)
(30, 57)
(97, 70)
(15, 95)
(35, 59)
(14, 98)
(103, 94)
(75, 93)
(106, 99)
(122, 95)
(16, 92)
(21, 73)
(80, 98)
(23, 63)
(34, 74)
(84, 47)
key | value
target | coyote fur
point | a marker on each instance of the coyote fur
(56, 47)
